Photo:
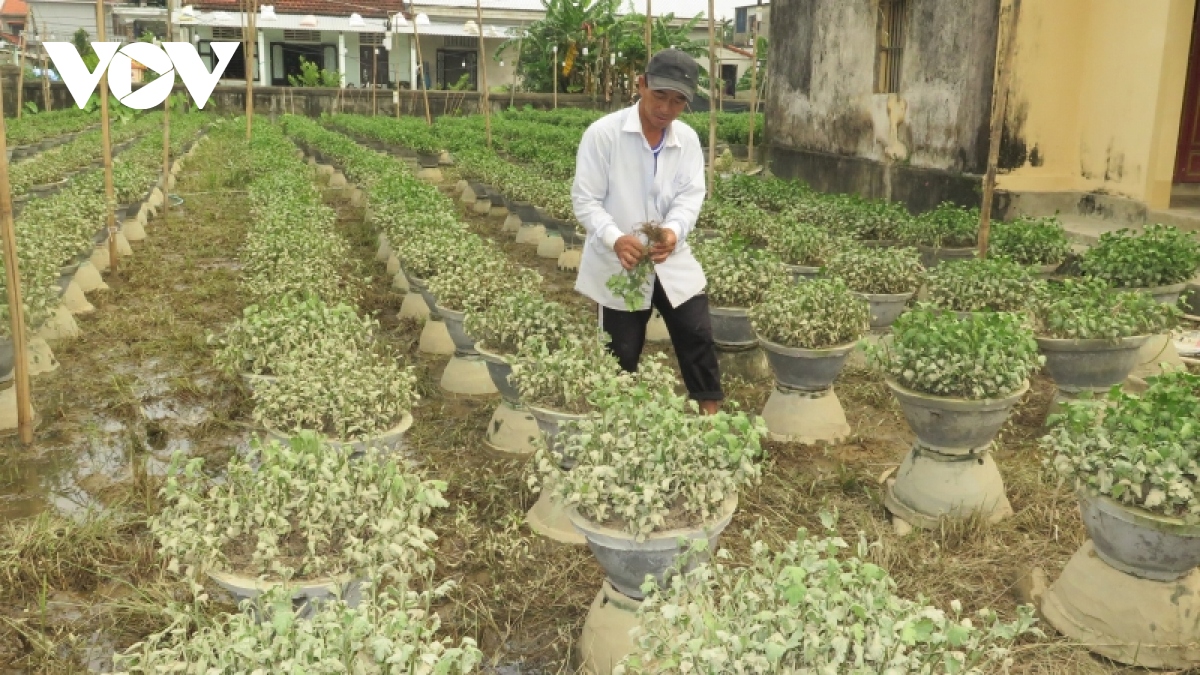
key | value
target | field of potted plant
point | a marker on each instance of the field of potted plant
(361, 525)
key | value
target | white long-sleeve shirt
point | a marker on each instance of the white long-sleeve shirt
(617, 188)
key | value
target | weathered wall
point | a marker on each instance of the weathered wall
(1096, 98)
(916, 144)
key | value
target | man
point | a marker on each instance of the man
(640, 165)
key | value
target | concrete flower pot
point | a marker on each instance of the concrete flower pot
(390, 441)
(307, 596)
(803, 272)
(464, 345)
(422, 288)
(1167, 295)
(929, 486)
(806, 369)
(512, 430)
(550, 422)
(1090, 365)
(1138, 542)
(803, 407)
(731, 327)
(626, 561)
(886, 307)
(954, 426)
(499, 368)
(932, 256)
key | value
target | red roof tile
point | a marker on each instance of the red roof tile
(14, 7)
(377, 8)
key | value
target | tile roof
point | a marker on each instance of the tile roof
(15, 7)
(326, 7)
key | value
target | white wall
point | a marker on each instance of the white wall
(64, 18)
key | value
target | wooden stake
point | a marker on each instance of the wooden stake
(46, 107)
(555, 53)
(421, 67)
(512, 92)
(712, 97)
(999, 104)
(166, 211)
(753, 92)
(251, 38)
(487, 103)
(374, 81)
(17, 316)
(106, 143)
(649, 33)
(21, 73)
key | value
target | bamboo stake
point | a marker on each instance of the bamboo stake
(999, 104)
(649, 34)
(45, 84)
(106, 143)
(753, 93)
(487, 103)
(374, 81)
(16, 315)
(21, 73)
(712, 97)
(512, 91)
(251, 38)
(166, 172)
(556, 77)
(421, 66)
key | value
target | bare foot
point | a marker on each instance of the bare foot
(710, 407)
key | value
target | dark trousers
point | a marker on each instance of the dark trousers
(691, 334)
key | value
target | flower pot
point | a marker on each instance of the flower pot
(550, 421)
(499, 368)
(1138, 542)
(307, 596)
(389, 441)
(1046, 271)
(1167, 295)
(806, 369)
(1090, 365)
(731, 327)
(886, 307)
(954, 426)
(464, 345)
(803, 272)
(526, 212)
(929, 486)
(626, 561)
(422, 288)
(932, 256)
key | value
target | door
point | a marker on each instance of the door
(286, 59)
(729, 77)
(379, 72)
(453, 65)
(1187, 157)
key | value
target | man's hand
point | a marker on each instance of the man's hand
(629, 251)
(660, 252)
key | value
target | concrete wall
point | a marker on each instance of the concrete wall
(914, 146)
(1096, 99)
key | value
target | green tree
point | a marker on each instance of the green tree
(312, 75)
(83, 45)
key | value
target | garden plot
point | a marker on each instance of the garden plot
(521, 598)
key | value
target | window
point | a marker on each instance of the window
(226, 33)
(461, 41)
(892, 26)
(370, 38)
(236, 70)
(739, 20)
(301, 35)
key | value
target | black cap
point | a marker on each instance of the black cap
(674, 70)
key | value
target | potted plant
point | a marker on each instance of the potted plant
(779, 608)
(1132, 462)
(1036, 242)
(473, 284)
(738, 276)
(303, 514)
(807, 331)
(282, 326)
(1159, 261)
(956, 380)
(947, 232)
(1090, 335)
(649, 471)
(980, 285)
(887, 277)
(395, 630)
(351, 397)
(803, 248)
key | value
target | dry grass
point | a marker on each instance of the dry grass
(523, 598)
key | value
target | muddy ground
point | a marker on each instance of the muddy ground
(78, 576)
